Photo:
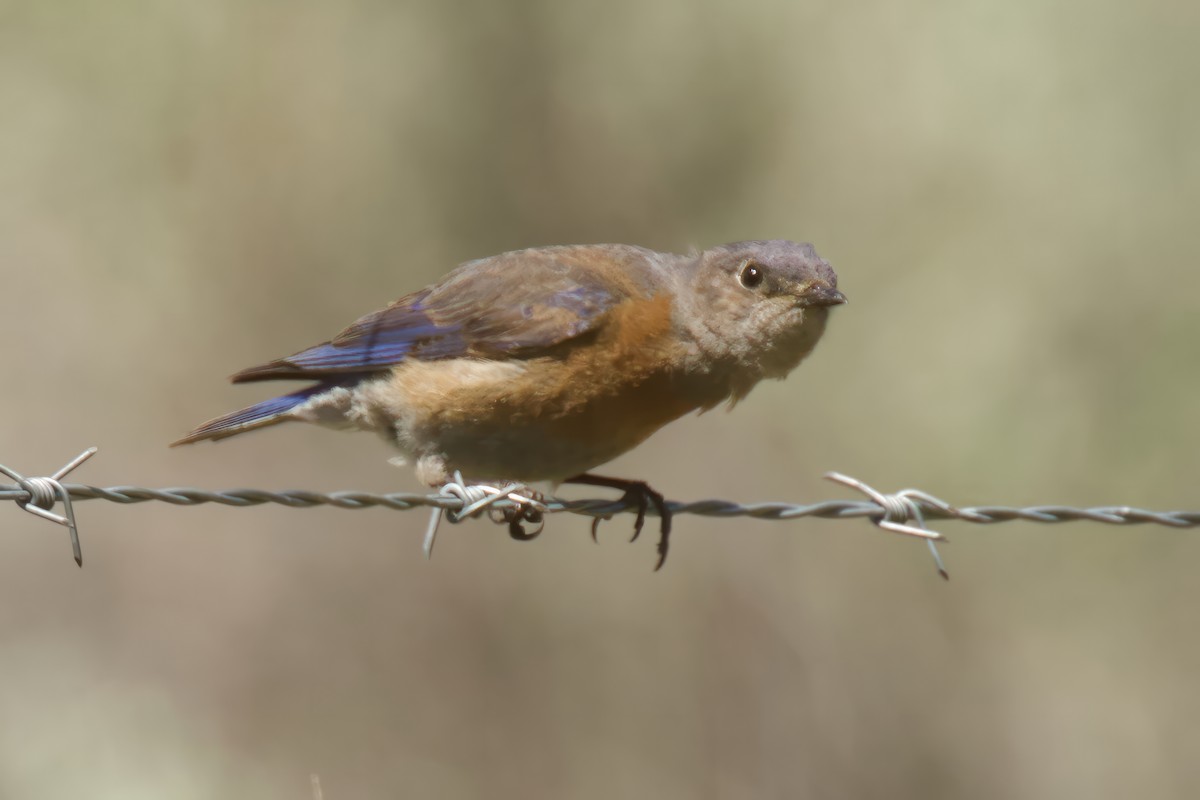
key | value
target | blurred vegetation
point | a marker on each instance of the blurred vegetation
(1009, 193)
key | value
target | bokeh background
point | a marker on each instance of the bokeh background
(1009, 191)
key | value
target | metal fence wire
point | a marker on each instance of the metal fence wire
(905, 512)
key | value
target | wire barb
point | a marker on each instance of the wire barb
(899, 508)
(42, 492)
(473, 499)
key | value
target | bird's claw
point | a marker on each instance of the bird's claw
(596, 525)
(528, 507)
(641, 496)
(519, 514)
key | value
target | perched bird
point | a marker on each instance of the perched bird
(540, 364)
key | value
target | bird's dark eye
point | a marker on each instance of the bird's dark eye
(751, 275)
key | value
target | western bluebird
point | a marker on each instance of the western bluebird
(540, 364)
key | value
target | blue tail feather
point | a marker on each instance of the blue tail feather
(259, 415)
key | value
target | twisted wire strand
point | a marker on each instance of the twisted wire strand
(905, 512)
(826, 509)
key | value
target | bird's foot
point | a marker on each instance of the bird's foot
(639, 495)
(528, 506)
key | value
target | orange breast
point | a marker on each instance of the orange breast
(553, 416)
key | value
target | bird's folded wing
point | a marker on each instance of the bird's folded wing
(515, 305)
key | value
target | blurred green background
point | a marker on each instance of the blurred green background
(1009, 192)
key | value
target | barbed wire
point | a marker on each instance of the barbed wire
(459, 500)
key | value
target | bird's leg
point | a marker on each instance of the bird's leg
(640, 494)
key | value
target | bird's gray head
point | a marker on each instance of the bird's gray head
(760, 307)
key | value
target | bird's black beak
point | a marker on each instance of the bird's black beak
(821, 295)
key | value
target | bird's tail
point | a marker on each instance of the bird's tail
(260, 415)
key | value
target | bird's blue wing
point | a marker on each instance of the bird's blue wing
(515, 305)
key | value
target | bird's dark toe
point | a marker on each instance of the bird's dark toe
(516, 516)
(640, 496)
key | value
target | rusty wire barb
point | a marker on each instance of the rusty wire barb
(906, 512)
